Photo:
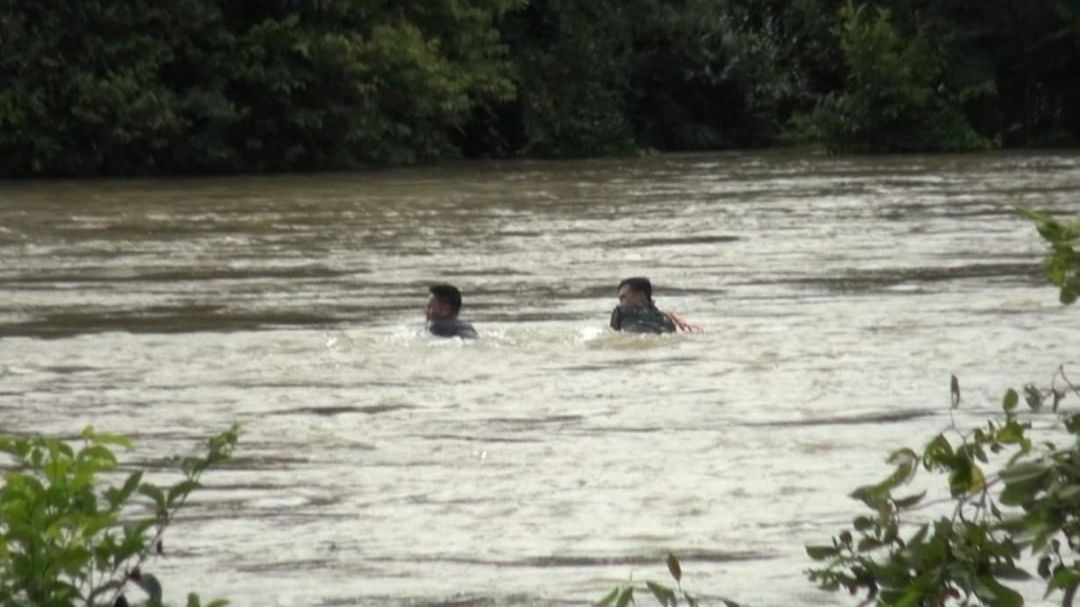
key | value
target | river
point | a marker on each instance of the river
(552, 458)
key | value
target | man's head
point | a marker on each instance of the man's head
(635, 291)
(444, 302)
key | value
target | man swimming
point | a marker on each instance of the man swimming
(442, 310)
(636, 312)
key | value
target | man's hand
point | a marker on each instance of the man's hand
(681, 323)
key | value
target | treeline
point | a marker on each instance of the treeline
(122, 87)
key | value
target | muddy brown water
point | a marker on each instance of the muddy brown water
(552, 458)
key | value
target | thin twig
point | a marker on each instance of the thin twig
(150, 547)
(1072, 386)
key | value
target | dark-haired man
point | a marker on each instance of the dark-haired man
(442, 310)
(636, 312)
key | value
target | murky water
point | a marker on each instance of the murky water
(551, 458)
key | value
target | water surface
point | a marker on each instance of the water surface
(551, 458)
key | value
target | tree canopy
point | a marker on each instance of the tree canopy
(126, 87)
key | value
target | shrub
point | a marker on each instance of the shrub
(67, 539)
(894, 100)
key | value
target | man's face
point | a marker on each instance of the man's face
(437, 309)
(630, 297)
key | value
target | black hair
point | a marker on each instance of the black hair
(448, 294)
(638, 284)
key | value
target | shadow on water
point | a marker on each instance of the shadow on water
(583, 561)
(171, 276)
(856, 281)
(332, 411)
(849, 420)
(180, 320)
(668, 242)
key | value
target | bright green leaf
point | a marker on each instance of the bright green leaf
(1011, 400)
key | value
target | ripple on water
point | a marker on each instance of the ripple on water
(552, 458)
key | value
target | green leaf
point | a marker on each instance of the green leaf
(98, 456)
(193, 600)
(180, 490)
(665, 596)
(118, 497)
(1009, 571)
(625, 597)
(674, 567)
(994, 593)
(919, 537)
(1064, 578)
(938, 452)
(137, 529)
(155, 494)
(909, 501)
(609, 598)
(1033, 397)
(912, 597)
(978, 480)
(1012, 399)
(151, 586)
(867, 544)
(966, 478)
(92, 436)
(1010, 434)
(902, 456)
(819, 553)
(1024, 471)
(1044, 569)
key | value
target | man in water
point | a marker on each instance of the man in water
(442, 313)
(636, 312)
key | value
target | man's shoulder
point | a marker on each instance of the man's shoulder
(641, 319)
(452, 328)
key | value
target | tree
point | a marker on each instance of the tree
(895, 99)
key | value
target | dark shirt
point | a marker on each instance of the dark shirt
(642, 318)
(451, 327)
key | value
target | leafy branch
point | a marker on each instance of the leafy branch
(1062, 260)
(1031, 504)
(66, 541)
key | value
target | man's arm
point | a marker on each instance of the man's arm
(682, 324)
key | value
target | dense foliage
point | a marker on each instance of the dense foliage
(69, 539)
(121, 87)
(132, 86)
